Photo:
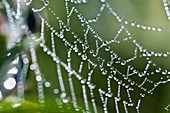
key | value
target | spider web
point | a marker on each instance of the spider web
(89, 65)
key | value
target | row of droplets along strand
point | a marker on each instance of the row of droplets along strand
(166, 7)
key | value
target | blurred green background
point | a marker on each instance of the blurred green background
(145, 12)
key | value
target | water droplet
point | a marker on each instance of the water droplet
(56, 91)
(38, 78)
(77, 109)
(67, 28)
(141, 74)
(165, 72)
(104, 72)
(153, 28)
(125, 77)
(10, 83)
(117, 98)
(91, 86)
(65, 100)
(83, 81)
(124, 102)
(84, 57)
(149, 54)
(126, 22)
(32, 67)
(149, 28)
(158, 70)
(159, 29)
(63, 95)
(76, 50)
(25, 60)
(91, 51)
(132, 83)
(120, 82)
(107, 48)
(138, 26)
(79, 54)
(92, 100)
(84, 1)
(165, 55)
(105, 43)
(47, 84)
(123, 62)
(131, 89)
(95, 54)
(131, 104)
(132, 24)
(61, 36)
(142, 95)
(126, 86)
(109, 64)
(45, 49)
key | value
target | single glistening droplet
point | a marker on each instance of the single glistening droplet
(103, 0)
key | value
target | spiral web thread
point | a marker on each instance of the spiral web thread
(92, 58)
